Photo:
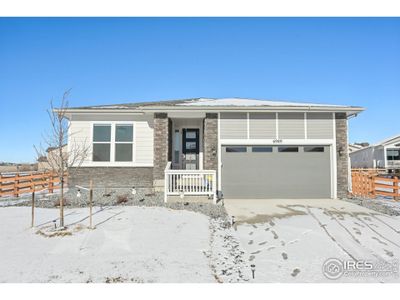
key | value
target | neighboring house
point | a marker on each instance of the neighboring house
(241, 148)
(357, 146)
(51, 160)
(385, 154)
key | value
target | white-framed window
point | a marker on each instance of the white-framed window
(113, 142)
(101, 142)
(123, 142)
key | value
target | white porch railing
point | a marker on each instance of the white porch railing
(190, 182)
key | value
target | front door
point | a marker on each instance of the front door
(190, 148)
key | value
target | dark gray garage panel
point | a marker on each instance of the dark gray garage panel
(263, 172)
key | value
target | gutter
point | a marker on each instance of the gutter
(351, 111)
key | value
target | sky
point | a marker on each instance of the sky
(349, 61)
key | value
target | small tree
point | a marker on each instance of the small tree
(61, 157)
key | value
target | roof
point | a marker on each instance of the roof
(390, 140)
(216, 104)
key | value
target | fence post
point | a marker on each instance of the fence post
(16, 182)
(33, 209)
(396, 188)
(90, 204)
(373, 194)
(50, 186)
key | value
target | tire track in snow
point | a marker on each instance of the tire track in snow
(378, 233)
(372, 252)
(329, 234)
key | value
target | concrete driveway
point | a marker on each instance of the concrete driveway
(290, 240)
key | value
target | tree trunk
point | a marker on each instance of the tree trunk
(62, 202)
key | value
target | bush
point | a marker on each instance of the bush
(57, 202)
(122, 199)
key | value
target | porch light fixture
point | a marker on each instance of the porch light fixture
(78, 193)
(253, 270)
(133, 191)
(340, 151)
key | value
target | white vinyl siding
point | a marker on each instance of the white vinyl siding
(233, 125)
(291, 126)
(262, 125)
(80, 138)
(144, 142)
(319, 125)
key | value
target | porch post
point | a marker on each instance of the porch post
(161, 149)
(211, 144)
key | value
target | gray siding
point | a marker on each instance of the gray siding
(233, 125)
(319, 126)
(262, 125)
(291, 126)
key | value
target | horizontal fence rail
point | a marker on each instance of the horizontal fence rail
(190, 182)
(16, 184)
(370, 183)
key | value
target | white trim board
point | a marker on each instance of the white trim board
(276, 142)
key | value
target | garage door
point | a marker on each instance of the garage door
(262, 172)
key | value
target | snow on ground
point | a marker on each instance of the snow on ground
(129, 244)
(293, 245)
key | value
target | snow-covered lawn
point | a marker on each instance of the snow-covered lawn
(130, 244)
(289, 241)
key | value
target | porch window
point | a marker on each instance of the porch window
(101, 142)
(123, 142)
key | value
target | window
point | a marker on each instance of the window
(112, 142)
(261, 149)
(123, 142)
(236, 149)
(176, 146)
(101, 142)
(314, 149)
(288, 149)
(393, 154)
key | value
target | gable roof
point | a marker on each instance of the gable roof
(217, 104)
(390, 140)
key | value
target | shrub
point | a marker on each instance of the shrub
(57, 202)
(122, 199)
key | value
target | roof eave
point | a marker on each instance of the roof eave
(348, 110)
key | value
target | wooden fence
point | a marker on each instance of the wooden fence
(17, 184)
(370, 183)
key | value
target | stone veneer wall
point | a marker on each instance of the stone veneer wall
(161, 141)
(342, 160)
(211, 141)
(112, 176)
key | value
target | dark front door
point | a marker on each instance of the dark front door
(190, 148)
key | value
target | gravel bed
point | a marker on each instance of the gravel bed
(123, 197)
(385, 206)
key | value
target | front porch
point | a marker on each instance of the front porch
(185, 156)
(190, 184)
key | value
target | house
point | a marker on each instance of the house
(385, 154)
(230, 147)
(51, 160)
(357, 146)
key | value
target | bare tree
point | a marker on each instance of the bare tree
(61, 157)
